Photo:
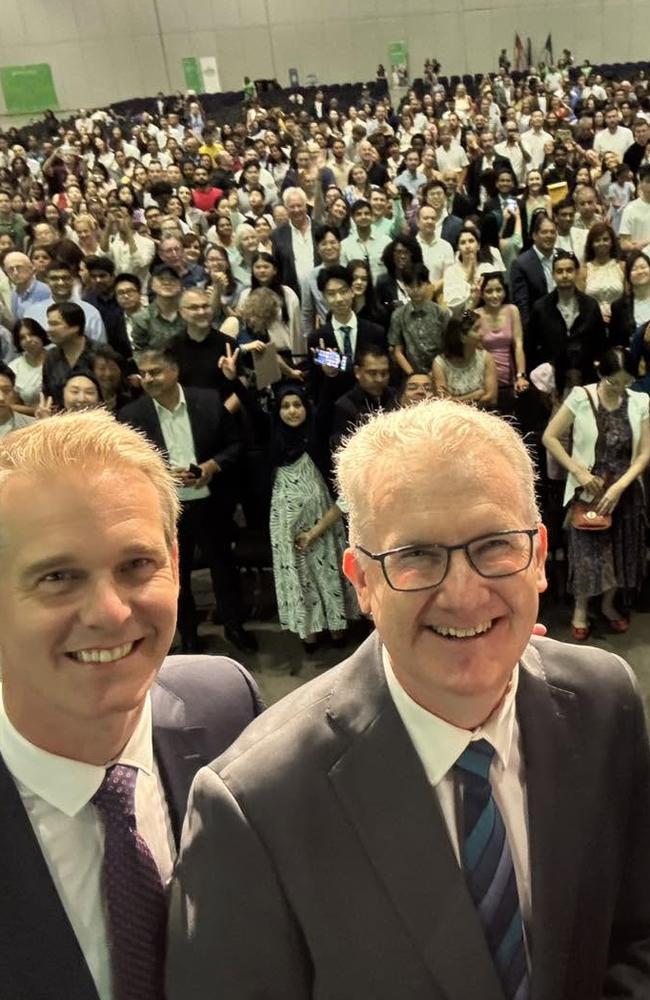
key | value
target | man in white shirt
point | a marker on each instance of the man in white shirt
(615, 138)
(449, 737)
(634, 232)
(451, 156)
(129, 250)
(293, 241)
(533, 140)
(96, 756)
(514, 150)
(366, 243)
(9, 420)
(437, 254)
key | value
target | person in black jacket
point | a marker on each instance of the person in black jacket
(371, 393)
(200, 440)
(633, 308)
(343, 332)
(531, 275)
(566, 328)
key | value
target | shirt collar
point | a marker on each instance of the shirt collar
(163, 411)
(543, 259)
(68, 785)
(439, 744)
(352, 323)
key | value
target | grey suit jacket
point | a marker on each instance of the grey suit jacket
(316, 863)
(200, 704)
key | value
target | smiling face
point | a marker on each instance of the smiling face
(80, 393)
(456, 678)
(292, 410)
(110, 581)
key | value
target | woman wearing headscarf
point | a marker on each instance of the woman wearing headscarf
(307, 536)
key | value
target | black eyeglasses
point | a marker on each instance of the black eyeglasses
(421, 567)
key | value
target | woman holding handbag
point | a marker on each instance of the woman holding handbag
(610, 451)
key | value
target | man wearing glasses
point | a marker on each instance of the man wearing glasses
(456, 812)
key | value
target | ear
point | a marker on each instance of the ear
(539, 558)
(356, 575)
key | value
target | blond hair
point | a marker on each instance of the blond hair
(86, 440)
(401, 442)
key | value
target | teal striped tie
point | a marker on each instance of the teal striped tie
(490, 875)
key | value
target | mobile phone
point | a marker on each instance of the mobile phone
(194, 471)
(511, 204)
(332, 359)
(138, 216)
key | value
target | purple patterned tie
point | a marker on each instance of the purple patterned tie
(133, 892)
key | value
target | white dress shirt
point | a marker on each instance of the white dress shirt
(353, 248)
(547, 268)
(437, 256)
(340, 336)
(179, 441)
(439, 744)
(533, 142)
(56, 793)
(302, 245)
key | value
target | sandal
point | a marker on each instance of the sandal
(579, 633)
(618, 624)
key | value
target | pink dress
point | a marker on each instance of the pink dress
(500, 345)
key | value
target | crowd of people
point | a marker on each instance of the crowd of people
(245, 294)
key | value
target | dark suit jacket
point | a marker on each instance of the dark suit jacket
(367, 333)
(200, 705)
(476, 176)
(547, 338)
(353, 406)
(451, 227)
(281, 240)
(527, 283)
(622, 324)
(213, 429)
(333, 855)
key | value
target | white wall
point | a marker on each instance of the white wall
(104, 50)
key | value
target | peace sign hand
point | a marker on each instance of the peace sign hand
(45, 407)
(228, 363)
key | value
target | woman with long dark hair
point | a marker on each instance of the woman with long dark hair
(633, 308)
(286, 332)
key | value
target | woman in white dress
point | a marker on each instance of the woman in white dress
(603, 275)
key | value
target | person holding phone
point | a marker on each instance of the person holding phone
(344, 332)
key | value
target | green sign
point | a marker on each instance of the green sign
(28, 89)
(193, 74)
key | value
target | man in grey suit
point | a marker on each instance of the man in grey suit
(98, 745)
(456, 812)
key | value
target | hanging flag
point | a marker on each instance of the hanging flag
(548, 50)
(529, 53)
(519, 54)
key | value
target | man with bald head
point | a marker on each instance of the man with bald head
(26, 288)
(457, 810)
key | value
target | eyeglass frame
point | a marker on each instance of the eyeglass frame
(380, 557)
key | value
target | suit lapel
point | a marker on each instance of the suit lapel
(40, 956)
(180, 751)
(554, 770)
(382, 786)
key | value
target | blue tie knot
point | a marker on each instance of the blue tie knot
(476, 759)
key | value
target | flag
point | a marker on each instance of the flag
(519, 54)
(548, 50)
(529, 53)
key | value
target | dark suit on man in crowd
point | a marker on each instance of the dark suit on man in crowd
(283, 250)
(547, 338)
(527, 283)
(367, 333)
(204, 523)
(200, 705)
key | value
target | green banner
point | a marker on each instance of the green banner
(28, 89)
(398, 57)
(193, 74)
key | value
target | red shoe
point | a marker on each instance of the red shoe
(619, 624)
(580, 634)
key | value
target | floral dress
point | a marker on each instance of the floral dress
(312, 594)
(600, 560)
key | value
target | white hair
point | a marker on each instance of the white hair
(401, 441)
(89, 440)
(291, 193)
